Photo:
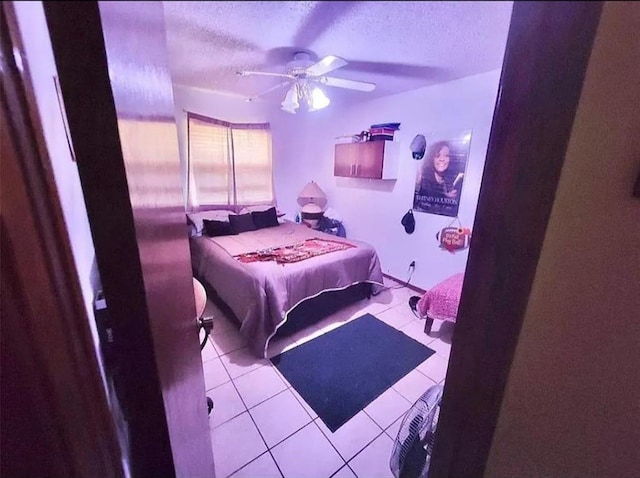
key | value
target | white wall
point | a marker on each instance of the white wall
(372, 209)
(38, 57)
(571, 403)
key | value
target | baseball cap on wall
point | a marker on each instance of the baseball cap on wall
(418, 146)
(408, 222)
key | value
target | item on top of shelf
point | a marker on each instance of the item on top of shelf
(362, 137)
(383, 131)
(393, 126)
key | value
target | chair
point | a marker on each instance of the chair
(200, 295)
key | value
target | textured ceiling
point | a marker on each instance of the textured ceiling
(397, 45)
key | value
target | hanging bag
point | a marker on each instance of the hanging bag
(454, 238)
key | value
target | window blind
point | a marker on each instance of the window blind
(229, 165)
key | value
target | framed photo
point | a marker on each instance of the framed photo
(440, 177)
(63, 114)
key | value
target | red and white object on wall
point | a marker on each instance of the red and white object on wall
(453, 238)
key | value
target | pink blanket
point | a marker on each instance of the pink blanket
(441, 301)
(294, 252)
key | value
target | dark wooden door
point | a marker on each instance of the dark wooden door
(547, 52)
(55, 419)
(370, 159)
(126, 147)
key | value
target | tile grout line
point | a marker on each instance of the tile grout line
(384, 431)
(255, 459)
(248, 411)
(332, 446)
(220, 384)
(259, 433)
(261, 402)
(355, 456)
(358, 452)
(274, 461)
(245, 406)
(346, 465)
(278, 443)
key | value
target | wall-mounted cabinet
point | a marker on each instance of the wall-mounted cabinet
(371, 160)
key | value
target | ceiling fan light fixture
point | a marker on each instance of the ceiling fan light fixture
(305, 74)
(291, 103)
(318, 100)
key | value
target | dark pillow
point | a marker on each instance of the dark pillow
(267, 218)
(242, 222)
(217, 228)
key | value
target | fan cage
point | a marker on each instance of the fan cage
(413, 447)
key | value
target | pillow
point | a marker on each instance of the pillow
(213, 215)
(213, 228)
(242, 223)
(256, 208)
(266, 218)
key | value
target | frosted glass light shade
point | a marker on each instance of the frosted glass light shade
(291, 103)
(318, 100)
(312, 194)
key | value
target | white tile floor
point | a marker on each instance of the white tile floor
(261, 427)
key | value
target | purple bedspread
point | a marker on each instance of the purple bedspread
(261, 293)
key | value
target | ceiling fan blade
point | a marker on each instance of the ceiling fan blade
(321, 18)
(350, 84)
(273, 88)
(263, 73)
(401, 69)
(324, 66)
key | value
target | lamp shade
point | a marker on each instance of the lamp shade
(318, 100)
(290, 103)
(312, 194)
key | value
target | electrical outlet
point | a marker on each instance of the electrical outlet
(412, 265)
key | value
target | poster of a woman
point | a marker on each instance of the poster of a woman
(441, 175)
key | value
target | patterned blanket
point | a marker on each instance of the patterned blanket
(294, 252)
(442, 300)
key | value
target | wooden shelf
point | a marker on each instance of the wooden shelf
(369, 160)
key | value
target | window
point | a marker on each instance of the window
(228, 164)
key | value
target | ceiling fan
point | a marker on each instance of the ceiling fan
(303, 76)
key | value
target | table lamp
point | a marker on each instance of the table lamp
(312, 201)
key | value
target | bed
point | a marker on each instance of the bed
(262, 293)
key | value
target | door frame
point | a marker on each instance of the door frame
(546, 57)
(56, 419)
(142, 253)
